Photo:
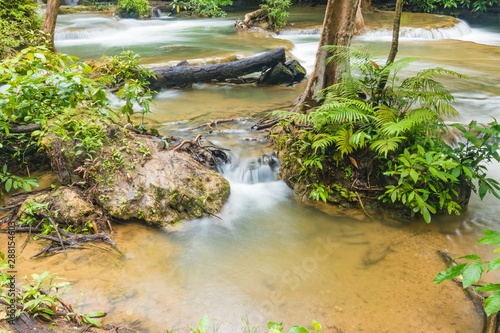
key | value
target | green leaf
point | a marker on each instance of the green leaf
(204, 323)
(492, 303)
(472, 274)
(491, 233)
(426, 215)
(483, 189)
(494, 264)
(275, 327)
(489, 287)
(317, 326)
(8, 184)
(96, 314)
(297, 329)
(470, 256)
(450, 273)
(489, 240)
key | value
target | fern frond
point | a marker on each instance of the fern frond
(297, 117)
(344, 146)
(386, 145)
(323, 141)
(342, 110)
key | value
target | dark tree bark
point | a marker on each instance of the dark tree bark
(395, 43)
(49, 24)
(395, 32)
(181, 75)
(338, 29)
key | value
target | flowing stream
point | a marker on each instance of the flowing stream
(271, 256)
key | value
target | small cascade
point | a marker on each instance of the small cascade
(71, 2)
(79, 34)
(312, 31)
(456, 32)
(262, 170)
(156, 12)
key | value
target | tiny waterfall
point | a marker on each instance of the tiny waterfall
(262, 170)
(456, 32)
(71, 2)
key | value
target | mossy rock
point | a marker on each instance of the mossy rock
(71, 206)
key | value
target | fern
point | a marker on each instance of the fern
(387, 145)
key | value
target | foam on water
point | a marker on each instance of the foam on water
(457, 32)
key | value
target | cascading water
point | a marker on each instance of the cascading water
(270, 256)
(71, 2)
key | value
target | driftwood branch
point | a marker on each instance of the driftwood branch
(25, 129)
(55, 228)
(178, 75)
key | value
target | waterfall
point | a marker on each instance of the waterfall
(71, 2)
(457, 32)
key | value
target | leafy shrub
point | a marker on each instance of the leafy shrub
(19, 24)
(399, 124)
(471, 272)
(208, 8)
(276, 10)
(133, 8)
(435, 5)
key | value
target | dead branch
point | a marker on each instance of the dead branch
(55, 227)
(25, 129)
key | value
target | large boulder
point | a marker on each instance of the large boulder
(169, 187)
(132, 176)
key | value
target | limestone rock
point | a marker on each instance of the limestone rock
(70, 204)
(168, 187)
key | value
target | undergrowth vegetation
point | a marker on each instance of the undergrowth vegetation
(133, 8)
(390, 131)
(40, 296)
(19, 25)
(37, 85)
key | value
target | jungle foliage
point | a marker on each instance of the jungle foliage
(19, 24)
(37, 84)
(472, 271)
(431, 6)
(40, 296)
(277, 11)
(133, 8)
(398, 123)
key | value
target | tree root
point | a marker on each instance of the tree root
(265, 123)
(362, 206)
(195, 142)
(210, 156)
(213, 122)
(72, 241)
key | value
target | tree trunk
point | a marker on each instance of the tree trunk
(338, 29)
(395, 43)
(49, 24)
(180, 75)
(359, 22)
(395, 32)
(366, 5)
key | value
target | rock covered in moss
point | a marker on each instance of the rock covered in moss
(71, 206)
(167, 188)
(132, 176)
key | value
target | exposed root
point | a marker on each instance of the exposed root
(212, 123)
(362, 206)
(265, 123)
(209, 155)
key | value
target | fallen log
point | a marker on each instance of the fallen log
(179, 75)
